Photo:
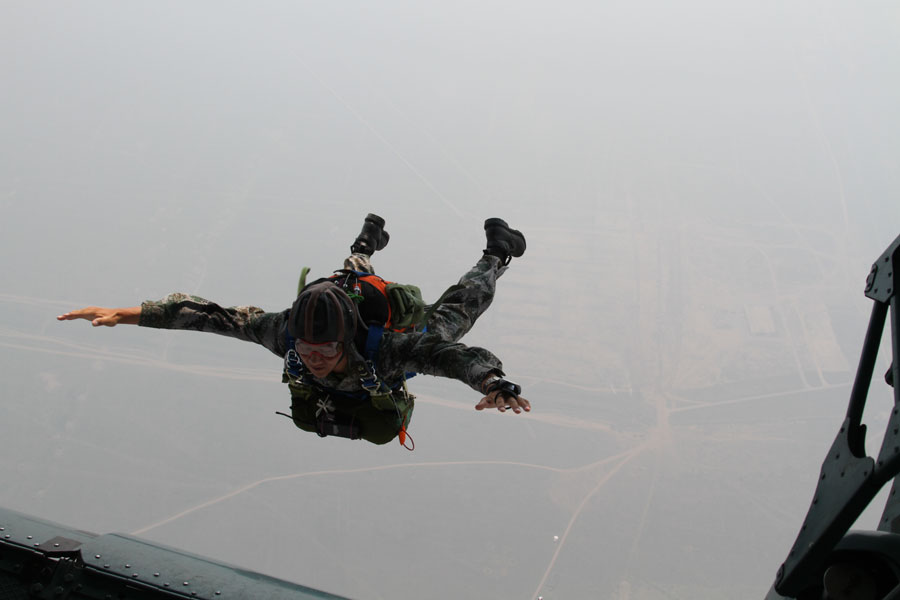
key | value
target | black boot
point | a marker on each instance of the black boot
(503, 242)
(373, 237)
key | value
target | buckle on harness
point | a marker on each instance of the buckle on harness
(368, 380)
(292, 362)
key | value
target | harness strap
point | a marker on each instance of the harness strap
(373, 339)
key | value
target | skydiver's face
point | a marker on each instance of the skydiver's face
(322, 359)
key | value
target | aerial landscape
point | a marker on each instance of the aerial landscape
(702, 200)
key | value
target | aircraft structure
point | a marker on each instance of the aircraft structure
(44, 560)
(828, 561)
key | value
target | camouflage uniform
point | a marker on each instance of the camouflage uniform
(434, 352)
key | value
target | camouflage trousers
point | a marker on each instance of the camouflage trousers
(461, 304)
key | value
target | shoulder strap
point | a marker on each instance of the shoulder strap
(373, 339)
(293, 366)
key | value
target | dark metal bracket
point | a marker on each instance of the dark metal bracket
(849, 480)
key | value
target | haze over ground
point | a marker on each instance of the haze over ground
(703, 187)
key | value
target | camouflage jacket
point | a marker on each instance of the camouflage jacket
(398, 353)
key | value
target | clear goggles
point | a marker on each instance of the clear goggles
(325, 349)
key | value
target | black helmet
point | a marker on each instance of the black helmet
(323, 312)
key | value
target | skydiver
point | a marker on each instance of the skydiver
(338, 385)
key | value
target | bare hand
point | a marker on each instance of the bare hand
(109, 317)
(504, 402)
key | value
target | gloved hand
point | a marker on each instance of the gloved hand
(502, 394)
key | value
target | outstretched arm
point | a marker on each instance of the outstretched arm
(429, 353)
(110, 317)
(181, 311)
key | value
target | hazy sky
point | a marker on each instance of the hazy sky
(703, 187)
